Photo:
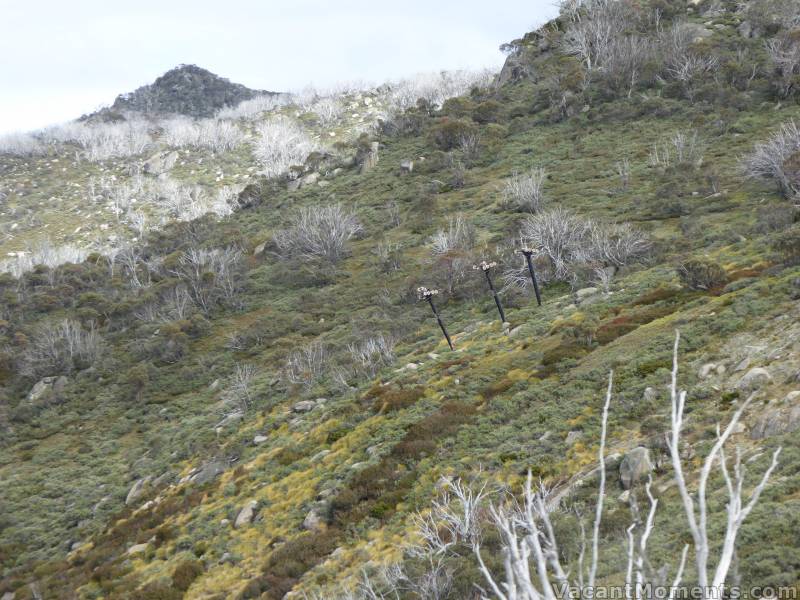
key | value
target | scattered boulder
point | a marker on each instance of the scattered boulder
(208, 472)
(304, 406)
(317, 518)
(754, 379)
(369, 158)
(320, 455)
(231, 419)
(137, 490)
(160, 163)
(650, 394)
(137, 549)
(259, 250)
(47, 389)
(572, 437)
(784, 419)
(309, 179)
(706, 369)
(407, 166)
(585, 293)
(163, 479)
(259, 439)
(743, 364)
(246, 515)
(635, 466)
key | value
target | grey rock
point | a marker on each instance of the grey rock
(785, 419)
(231, 419)
(209, 471)
(304, 406)
(650, 394)
(706, 369)
(137, 490)
(371, 157)
(320, 455)
(47, 389)
(259, 439)
(635, 466)
(743, 364)
(259, 250)
(137, 549)
(309, 179)
(317, 518)
(245, 516)
(584, 293)
(755, 378)
(407, 166)
(165, 478)
(572, 437)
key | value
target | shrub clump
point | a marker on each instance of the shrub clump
(703, 275)
(185, 573)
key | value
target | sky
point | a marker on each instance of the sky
(63, 58)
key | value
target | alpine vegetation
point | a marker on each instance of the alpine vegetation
(282, 143)
(318, 233)
(776, 159)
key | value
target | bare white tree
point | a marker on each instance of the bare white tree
(240, 387)
(372, 353)
(307, 365)
(696, 507)
(60, 348)
(209, 275)
(525, 191)
(318, 233)
(784, 52)
(44, 253)
(459, 235)
(769, 159)
(282, 143)
(532, 567)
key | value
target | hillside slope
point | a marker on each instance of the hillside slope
(229, 412)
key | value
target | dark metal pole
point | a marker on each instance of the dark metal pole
(496, 297)
(441, 324)
(533, 277)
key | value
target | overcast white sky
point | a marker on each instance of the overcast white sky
(65, 58)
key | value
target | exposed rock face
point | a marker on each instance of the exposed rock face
(755, 378)
(635, 466)
(370, 158)
(137, 490)
(231, 419)
(780, 420)
(209, 471)
(160, 163)
(317, 518)
(304, 406)
(137, 549)
(246, 515)
(47, 389)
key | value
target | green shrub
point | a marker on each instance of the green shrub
(185, 573)
(702, 275)
(448, 133)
